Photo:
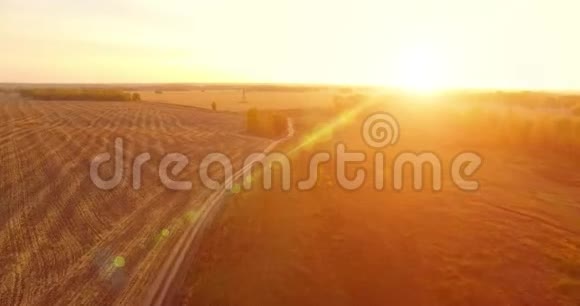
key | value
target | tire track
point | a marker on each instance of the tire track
(160, 290)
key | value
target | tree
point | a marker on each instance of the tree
(252, 120)
(265, 123)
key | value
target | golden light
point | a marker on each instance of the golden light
(422, 70)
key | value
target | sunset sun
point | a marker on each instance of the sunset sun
(421, 70)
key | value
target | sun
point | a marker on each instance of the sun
(421, 70)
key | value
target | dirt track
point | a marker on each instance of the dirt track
(62, 239)
(166, 285)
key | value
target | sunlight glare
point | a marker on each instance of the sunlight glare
(421, 70)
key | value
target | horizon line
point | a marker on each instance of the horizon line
(300, 84)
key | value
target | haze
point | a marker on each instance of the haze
(420, 44)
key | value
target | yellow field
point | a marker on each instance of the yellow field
(63, 240)
(230, 100)
(515, 241)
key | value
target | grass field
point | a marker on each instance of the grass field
(62, 240)
(231, 100)
(515, 241)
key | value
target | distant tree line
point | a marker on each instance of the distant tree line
(527, 99)
(79, 94)
(266, 123)
(343, 102)
(543, 131)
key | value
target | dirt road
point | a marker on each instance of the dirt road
(163, 289)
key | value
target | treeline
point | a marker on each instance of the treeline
(79, 94)
(548, 132)
(524, 98)
(266, 123)
(347, 100)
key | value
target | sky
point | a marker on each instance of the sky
(523, 44)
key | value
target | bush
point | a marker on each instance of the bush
(265, 123)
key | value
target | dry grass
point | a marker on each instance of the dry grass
(62, 240)
(513, 242)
